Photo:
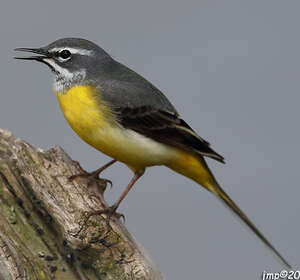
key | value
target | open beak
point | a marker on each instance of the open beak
(42, 54)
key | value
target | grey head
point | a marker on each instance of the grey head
(72, 60)
(76, 61)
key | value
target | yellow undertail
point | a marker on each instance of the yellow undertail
(195, 168)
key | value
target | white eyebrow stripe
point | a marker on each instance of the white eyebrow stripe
(73, 50)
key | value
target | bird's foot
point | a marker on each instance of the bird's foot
(108, 211)
(95, 175)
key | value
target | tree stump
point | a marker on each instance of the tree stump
(43, 234)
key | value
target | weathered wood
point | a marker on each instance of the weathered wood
(41, 212)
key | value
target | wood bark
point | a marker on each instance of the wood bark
(43, 234)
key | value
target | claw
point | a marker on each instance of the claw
(122, 216)
(109, 211)
(73, 177)
(105, 181)
(79, 166)
(92, 175)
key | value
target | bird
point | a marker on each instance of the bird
(123, 115)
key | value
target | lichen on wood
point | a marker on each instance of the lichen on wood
(42, 229)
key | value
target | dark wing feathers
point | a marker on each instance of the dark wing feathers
(165, 127)
(145, 109)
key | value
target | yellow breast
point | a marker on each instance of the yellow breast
(85, 112)
(96, 124)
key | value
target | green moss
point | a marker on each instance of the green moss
(35, 237)
(111, 269)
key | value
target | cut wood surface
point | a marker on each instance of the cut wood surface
(42, 214)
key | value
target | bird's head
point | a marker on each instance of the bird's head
(72, 60)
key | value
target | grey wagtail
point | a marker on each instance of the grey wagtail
(121, 114)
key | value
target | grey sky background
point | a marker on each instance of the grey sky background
(231, 68)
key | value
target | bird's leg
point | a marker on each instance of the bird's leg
(110, 211)
(95, 174)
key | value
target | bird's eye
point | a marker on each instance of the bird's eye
(64, 54)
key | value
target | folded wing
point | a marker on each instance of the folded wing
(165, 127)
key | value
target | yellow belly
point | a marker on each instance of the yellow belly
(95, 123)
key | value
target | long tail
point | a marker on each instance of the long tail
(196, 169)
(232, 206)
